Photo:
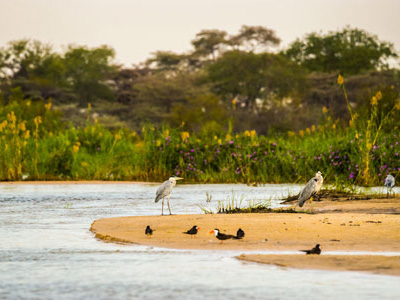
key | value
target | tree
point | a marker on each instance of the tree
(157, 94)
(249, 76)
(204, 113)
(21, 57)
(253, 38)
(87, 71)
(166, 60)
(208, 42)
(350, 51)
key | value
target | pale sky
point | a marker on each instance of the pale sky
(136, 28)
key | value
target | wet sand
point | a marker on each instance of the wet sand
(377, 264)
(349, 205)
(371, 225)
(270, 231)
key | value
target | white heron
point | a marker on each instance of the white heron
(312, 187)
(165, 190)
(389, 183)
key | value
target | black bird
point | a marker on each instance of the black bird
(222, 236)
(240, 233)
(192, 231)
(315, 250)
(148, 231)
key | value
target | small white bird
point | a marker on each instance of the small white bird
(165, 190)
(389, 183)
(312, 187)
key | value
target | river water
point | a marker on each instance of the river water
(48, 252)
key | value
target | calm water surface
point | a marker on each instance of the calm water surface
(47, 251)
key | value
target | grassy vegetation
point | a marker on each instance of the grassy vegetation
(37, 145)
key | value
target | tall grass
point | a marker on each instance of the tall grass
(37, 145)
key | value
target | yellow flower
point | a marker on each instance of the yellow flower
(3, 125)
(374, 101)
(324, 110)
(166, 133)
(228, 137)
(219, 141)
(215, 137)
(247, 133)
(378, 95)
(117, 136)
(28, 103)
(301, 133)
(291, 133)
(133, 133)
(158, 143)
(84, 164)
(185, 135)
(308, 130)
(351, 123)
(333, 126)
(47, 106)
(397, 105)
(22, 126)
(37, 120)
(340, 79)
(11, 117)
(234, 101)
(253, 134)
(26, 134)
(237, 136)
(75, 147)
(313, 128)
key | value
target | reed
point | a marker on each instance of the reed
(36, 143)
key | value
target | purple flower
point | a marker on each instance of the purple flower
(192, 150)
(231, 142)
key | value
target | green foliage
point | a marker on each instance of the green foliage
(349, 51)
(87, 69)
(35, 143)
(252, 76)
(79, 74)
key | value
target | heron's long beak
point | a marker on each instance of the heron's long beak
(179, 178)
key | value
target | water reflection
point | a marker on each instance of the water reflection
(46, 250)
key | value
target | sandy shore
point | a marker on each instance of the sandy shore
(272, 231)
(377, 264)
(341, 224)
(344, 205)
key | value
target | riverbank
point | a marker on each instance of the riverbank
(376, 264)
(272, 231)
(340, 224)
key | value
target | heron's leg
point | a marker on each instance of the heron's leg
(162, 207)
(168, 205)
(387, 193)
(311, 199)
